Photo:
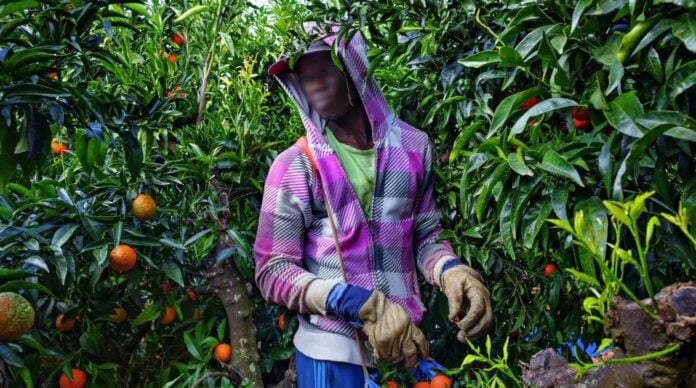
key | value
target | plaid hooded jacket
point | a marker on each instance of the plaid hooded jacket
(294, 242)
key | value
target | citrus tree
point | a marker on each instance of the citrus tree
(135, 139)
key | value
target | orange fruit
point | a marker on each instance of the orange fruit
(120, 314)
(392, 384)
(549, 269)
(122, 258)
(16, 316)
(144, 207)
(58, 148)
(281, 322)
(223, 353)
(172, 58)
(196, 314)
(53, 74)
(169, 315)
(422, 384)
(65, 325)
(192, 296)
(441, 381)
(79, 379)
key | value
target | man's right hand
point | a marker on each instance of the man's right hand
(391, 332)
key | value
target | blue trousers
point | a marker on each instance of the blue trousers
(313, 373)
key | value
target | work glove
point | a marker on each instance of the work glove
(389, 329)
(466, 295)
(391, 332)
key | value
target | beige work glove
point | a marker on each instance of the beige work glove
(391, 332)
(466, 295)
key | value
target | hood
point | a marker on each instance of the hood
(354, 57)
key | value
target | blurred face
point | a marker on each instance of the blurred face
(326, 86)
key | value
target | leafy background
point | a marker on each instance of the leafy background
(198, 125)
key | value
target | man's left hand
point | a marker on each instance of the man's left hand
(468, 296)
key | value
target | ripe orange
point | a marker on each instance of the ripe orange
(549, 269)
(392, 384)
(122, 258)
(223, 353)
(192, 296)
(53, 74)
(16, 316)
(119, 315)
(422, 384)
(79, 379)
(58, 148)
(281, 322)
(172, 58)
(169, 315)
(196, 314)
(144, 207)
(65, 325)
(441, 381)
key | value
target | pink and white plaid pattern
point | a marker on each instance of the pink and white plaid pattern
(294, 242)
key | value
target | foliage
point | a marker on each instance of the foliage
(188, 122)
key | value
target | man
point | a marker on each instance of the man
(350, 267)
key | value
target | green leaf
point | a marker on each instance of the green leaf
(196, 236)
(8, 8)
(682, 79)
(517, 164)
(480, 59)
(577, 13)
(556, 164)
(684, 28)
(616, 209)
(559, 201)
(545, 106)
(63, 234)
(482, 202)
(150, 313)
(10, 357)
(172, 270)
(597, 97)
(509, 57)
(134, 152)
(172, 243)
(37, 262)
(680, 125)
(584, 277)
(654, 65)
(625, 109)
(463, 139)
(190, 12)
(17, 285)
(509, 105)
(532, 40)
(7, 274)
(533, 221)
(118, 229)
(192, 347)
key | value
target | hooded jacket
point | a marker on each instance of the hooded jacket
(294, 242)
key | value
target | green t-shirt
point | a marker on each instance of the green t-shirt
(359, 166)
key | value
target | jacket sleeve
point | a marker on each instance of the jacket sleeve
(286, 214)
(431, 252)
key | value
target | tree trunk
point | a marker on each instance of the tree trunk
(232, 292)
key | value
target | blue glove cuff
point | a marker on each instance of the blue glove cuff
(454, 262)
(346, 300)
